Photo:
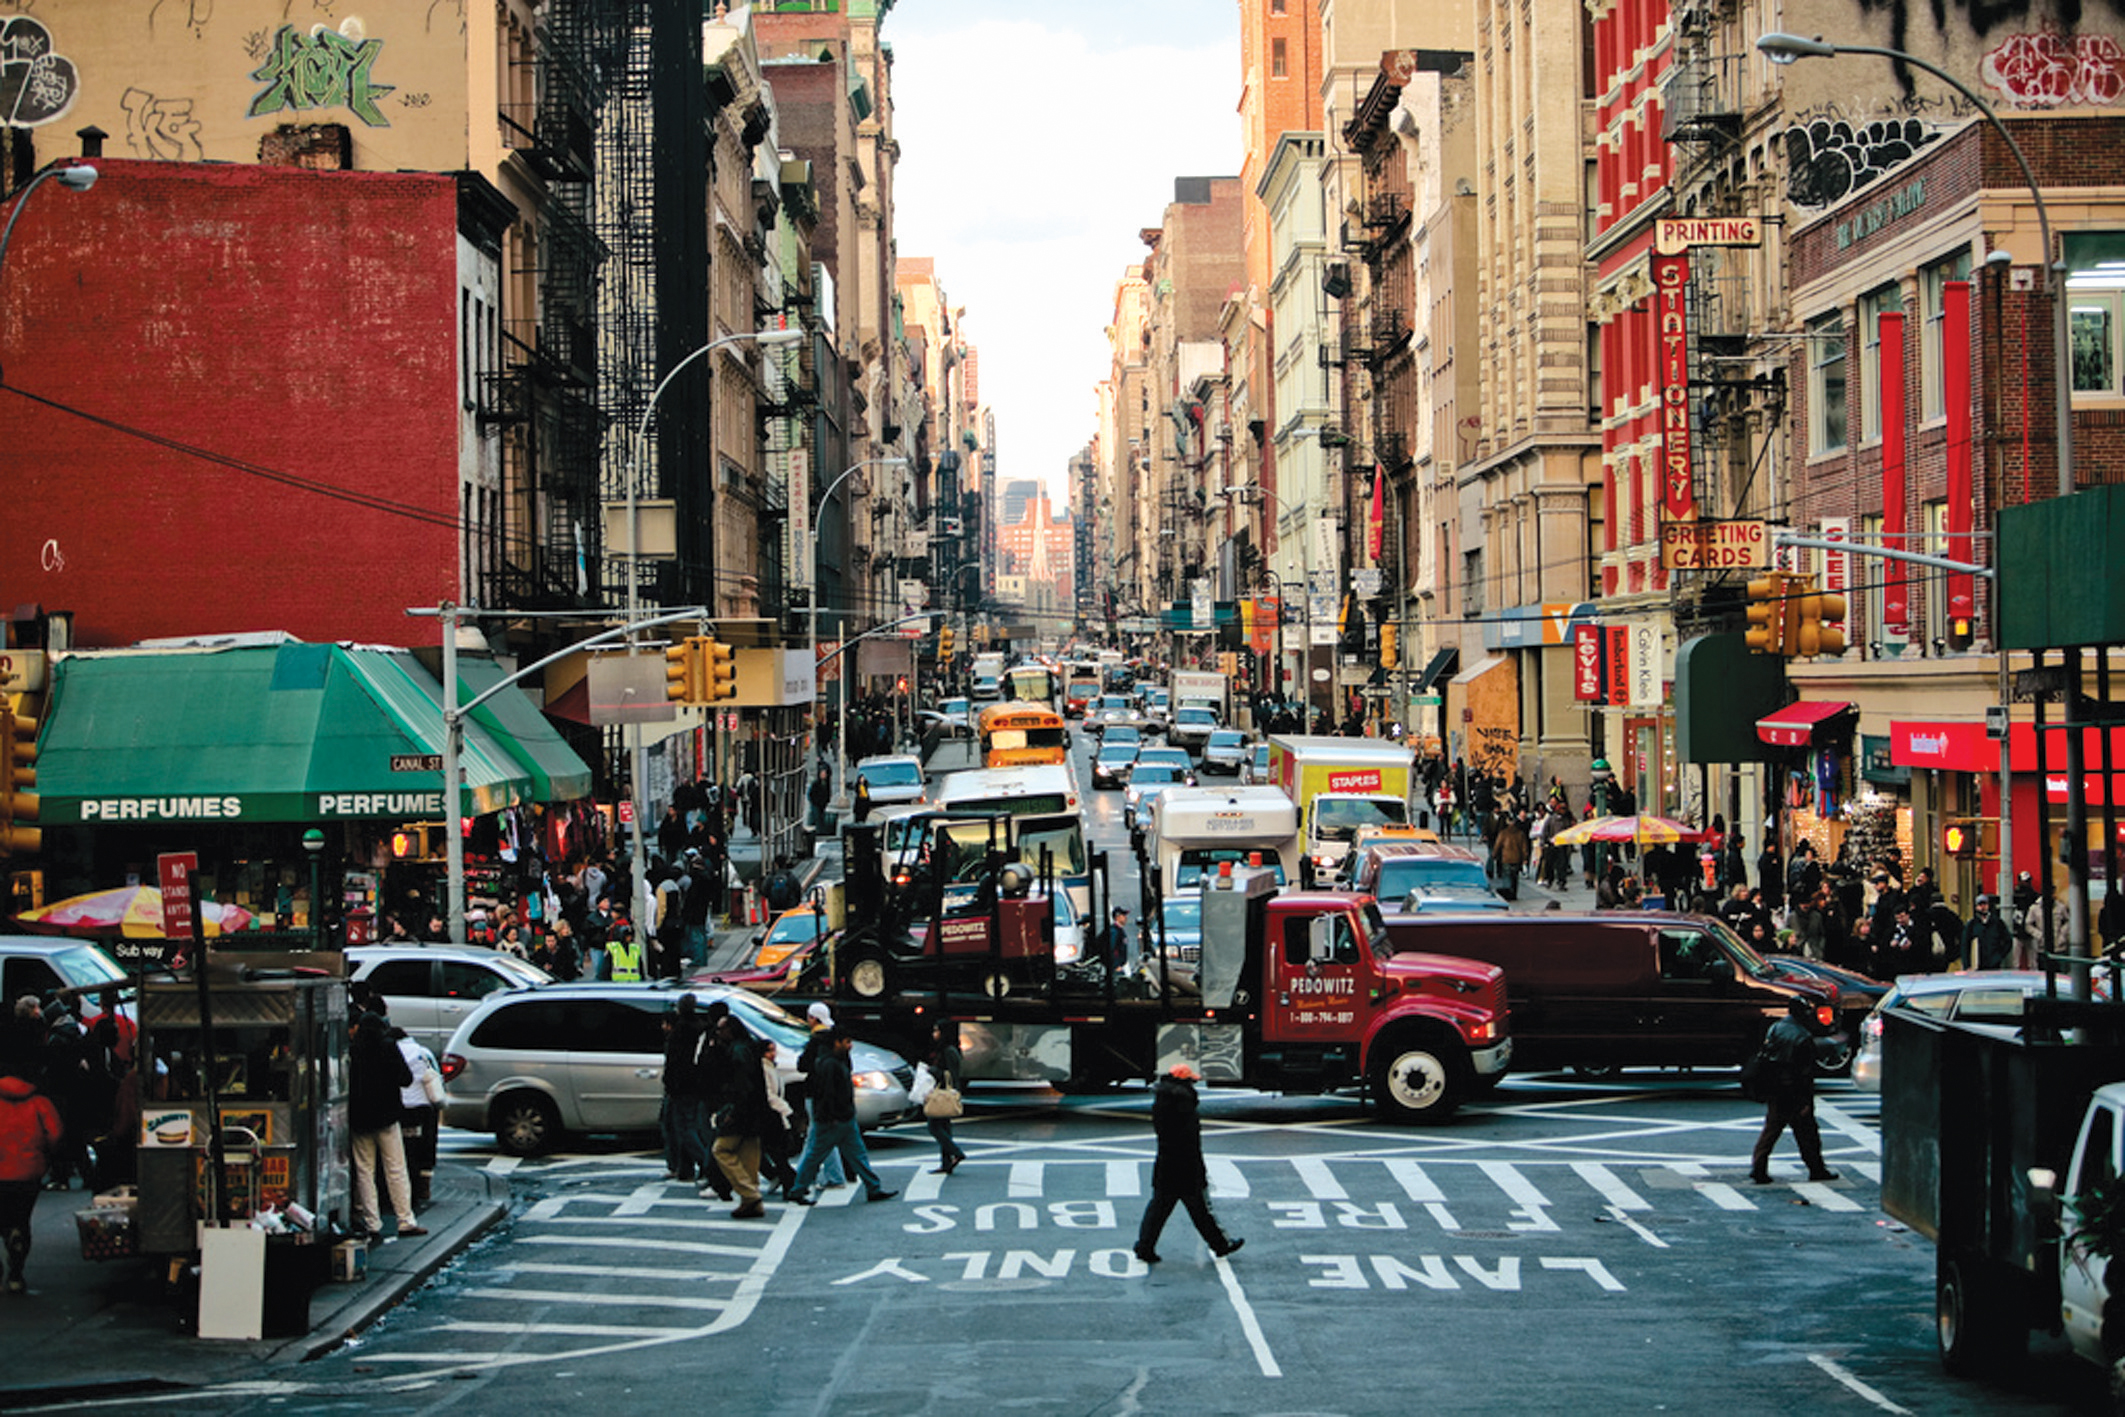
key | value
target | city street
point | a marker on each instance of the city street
(1560, 1245)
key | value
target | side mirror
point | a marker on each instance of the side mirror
(2044, 1194)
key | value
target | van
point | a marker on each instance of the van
(1621, 989)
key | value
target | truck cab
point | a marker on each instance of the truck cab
(2084, 1272)
(1335, 1004)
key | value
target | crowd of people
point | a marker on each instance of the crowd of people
(69, 1110)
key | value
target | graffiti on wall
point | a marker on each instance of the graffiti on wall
(193, 13)
(2053, 70)
(37, 82)
(161, 128)
(321, 69)
(1979, 17)
(1829, 158)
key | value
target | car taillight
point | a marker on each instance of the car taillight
(453, 1064)
(1872, 1028)
(1825, 1016)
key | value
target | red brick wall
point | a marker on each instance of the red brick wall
(300, 329)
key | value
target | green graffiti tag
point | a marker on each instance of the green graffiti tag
(322, 69)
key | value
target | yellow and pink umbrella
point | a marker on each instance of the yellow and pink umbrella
(1643, 829)
(129, 912)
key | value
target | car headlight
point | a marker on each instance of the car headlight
(1068, 954)
(874, 1082)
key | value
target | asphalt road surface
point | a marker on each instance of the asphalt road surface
(1561, 1246)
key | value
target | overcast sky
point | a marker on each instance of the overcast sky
(1035, 142)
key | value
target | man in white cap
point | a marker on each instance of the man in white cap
(821, 1018)
(1178, 1175)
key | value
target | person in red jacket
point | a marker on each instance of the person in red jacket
(29, 1139)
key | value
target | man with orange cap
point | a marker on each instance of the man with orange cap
(1178, 1175)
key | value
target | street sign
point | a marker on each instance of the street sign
(1427, 700)
(1373, 691)
(1995, 721)
(1674, 235)
(1366, 581)
(416, 762)
(173, 872)
(1712, 546)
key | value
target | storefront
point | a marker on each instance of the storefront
(235, 752)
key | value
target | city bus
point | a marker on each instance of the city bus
(1042, 805)
(1022, 735)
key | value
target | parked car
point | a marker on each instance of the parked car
(534, 1065)
(793, 930)
(1181, 919)
(1984, 996)
(1111, 764)
(895, 779)
(432, 988)
(1256, 768)
(1226, 752)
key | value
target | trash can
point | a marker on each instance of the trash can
(296, 1266)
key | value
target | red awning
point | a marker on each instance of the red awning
(1795, 725)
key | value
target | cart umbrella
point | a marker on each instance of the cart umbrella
(1642, 829)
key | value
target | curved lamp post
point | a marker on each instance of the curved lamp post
(74, 176)
(1785, 49)
(634, 591)
(841, 742)
(1305, 591)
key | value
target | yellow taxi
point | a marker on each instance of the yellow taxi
(793, 929)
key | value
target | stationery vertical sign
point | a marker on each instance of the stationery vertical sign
(1619, 665)
(1671, 299)
(173, 873)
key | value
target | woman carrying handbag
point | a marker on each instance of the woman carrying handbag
(943, 1103)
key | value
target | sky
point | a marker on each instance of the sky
(1035, 143)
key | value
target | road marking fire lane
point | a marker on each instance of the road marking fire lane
(1872, 1395)
(1249, 1325)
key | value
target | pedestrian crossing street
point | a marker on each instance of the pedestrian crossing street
(609, 1255)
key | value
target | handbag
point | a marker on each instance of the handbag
(942, 1102)
(432, 1086)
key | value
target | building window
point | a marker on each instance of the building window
(1826, 383)
(1277, 7)
(2095, 294)
(1872, 305)
(1873, 597)
(1279, 62)
(1932, 280)
(1933, 585)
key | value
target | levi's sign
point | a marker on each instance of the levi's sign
(1711, 546)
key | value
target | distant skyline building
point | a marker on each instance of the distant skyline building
(1016, 494)
(1040, 547)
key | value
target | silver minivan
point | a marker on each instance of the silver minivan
(431, 989)
(530, 1066)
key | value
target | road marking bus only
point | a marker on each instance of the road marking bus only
(1437, 1272)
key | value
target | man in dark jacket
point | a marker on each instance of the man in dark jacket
(378, 1075)
(693, 1080)
(831, 1090)
(741, 1116)
(1986, 941)
(1178, 1175)
(1788, 1063)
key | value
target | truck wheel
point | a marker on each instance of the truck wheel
(1978, 1331)
(995, 983)
(525, 1124)
(1417, 1076)
(869, 977)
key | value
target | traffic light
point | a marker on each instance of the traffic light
(944, 645)
(721, 673)
(1819, 623)
(1767, 614)
(1390, 644)
(1960, 633)
(686, 671)
(1959, 838)
(18, 784)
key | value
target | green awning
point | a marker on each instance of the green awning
(282, 732)
(556, 771)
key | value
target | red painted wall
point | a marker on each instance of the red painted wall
(300, 330)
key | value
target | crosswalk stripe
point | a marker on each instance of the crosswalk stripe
(590, 1300)
(1719, 1193)
(643, 1198)
(621, 1331)
(603, 1271)
(1820, 1194)
(1602, 1179)
(1028, 1178)
(657, 1243)
(1320, 1182)
(1124, 1179)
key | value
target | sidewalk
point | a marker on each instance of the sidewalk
(103, 1327)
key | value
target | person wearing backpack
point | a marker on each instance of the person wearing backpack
(1785, 1078)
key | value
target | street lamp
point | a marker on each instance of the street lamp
(637, 769)
(841, 796)
(314, 848)
(74, 176)
(1786, 48)
(1306, 593)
